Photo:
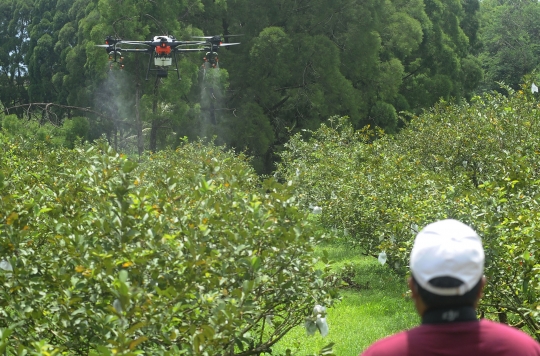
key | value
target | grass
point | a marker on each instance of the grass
(364, 315)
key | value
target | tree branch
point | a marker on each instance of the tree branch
(46, 106)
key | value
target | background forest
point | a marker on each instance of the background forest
(298, 64)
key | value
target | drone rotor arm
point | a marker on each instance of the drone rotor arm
(146, 43)
(186, 43)
(140, 50)
(180, 50)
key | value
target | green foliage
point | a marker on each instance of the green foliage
(11, 124)
(184, 253)
(14, 17)
(296, 66)
(473, 162)
(509, 35)
(384, 115)
(76, 129)
(49, 134)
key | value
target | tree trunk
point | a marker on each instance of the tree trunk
(115, 137)
(138, 122)
(155, 122)
(153, 135)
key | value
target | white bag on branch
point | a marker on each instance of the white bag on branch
(382, 258)
(317, 321)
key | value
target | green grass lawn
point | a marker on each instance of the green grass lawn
(364, 315)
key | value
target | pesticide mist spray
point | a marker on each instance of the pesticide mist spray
(212, 101)
(114, 98)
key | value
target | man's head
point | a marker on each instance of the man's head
(447, 266)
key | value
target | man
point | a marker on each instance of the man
(447, 267)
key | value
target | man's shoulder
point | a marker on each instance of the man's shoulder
(391, 345)
(503, 331)
(507, 340)
(485, 337)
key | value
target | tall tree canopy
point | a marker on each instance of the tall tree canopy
(14, 20)
(298, 64)
(510, 36)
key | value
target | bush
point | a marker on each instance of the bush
(185, 253)
(75, 129)
(31, 129)
(474, 162)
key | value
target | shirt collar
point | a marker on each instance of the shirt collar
(449, 315)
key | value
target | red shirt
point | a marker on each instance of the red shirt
(476, 338)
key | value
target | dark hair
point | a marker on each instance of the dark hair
(440, 301)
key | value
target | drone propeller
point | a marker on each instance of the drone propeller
(228, 44)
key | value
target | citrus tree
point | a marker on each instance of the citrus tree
(187, 252)
(474, 162)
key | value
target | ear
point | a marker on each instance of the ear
(418, 302)
(483, 282)
(480, 291)
(413, 288)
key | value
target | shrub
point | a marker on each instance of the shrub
(474, 162)
(75, 129)
(185, 253)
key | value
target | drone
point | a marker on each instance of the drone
(163, 50)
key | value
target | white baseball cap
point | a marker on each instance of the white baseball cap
(447, 248)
